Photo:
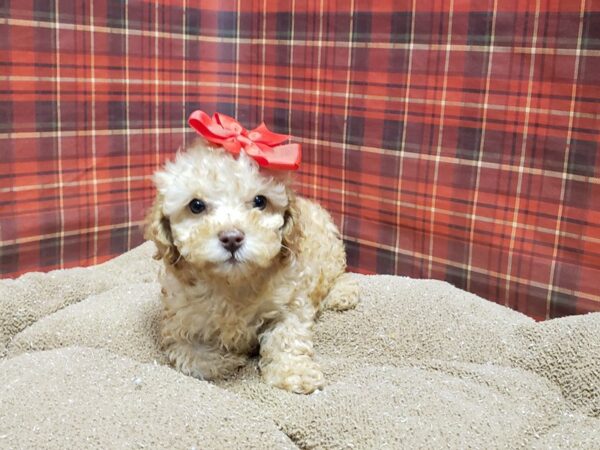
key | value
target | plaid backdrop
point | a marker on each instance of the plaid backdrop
(455, 140)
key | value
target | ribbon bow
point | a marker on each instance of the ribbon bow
(261, 144)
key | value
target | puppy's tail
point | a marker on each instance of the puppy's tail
(343, 295)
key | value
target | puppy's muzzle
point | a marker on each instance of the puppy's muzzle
(231, 240)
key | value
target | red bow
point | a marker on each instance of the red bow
(260, 143)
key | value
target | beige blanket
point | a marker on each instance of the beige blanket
(419, 364)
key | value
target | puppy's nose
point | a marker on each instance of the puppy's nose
(231, 239)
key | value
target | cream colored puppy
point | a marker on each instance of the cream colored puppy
(248, 265)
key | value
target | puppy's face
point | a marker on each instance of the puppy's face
(223, 215)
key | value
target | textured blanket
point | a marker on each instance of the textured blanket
(419, 364)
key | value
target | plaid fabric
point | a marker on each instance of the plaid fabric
(454, 140)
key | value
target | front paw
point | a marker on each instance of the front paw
(300, 376)
(203, 363)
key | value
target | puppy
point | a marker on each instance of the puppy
(248, 266)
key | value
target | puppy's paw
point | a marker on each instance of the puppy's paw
(199, 362)
(344, 294)
(301, 377)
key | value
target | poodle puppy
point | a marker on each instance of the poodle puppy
(248, 266)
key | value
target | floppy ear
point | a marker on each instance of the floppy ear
(291, 231)
(158, 229)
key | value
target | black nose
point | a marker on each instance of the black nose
(231, 239)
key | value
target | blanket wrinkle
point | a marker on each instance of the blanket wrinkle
(418, 364)
(34, 295)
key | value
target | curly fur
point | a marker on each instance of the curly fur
(220, 309)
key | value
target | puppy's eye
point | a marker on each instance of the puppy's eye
(260, 202)
(196, 206)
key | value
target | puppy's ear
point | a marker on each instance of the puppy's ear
(291, 231)
(158, 229)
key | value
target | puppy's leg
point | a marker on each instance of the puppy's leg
(286, 352)
(343, 294)
(201, 361)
